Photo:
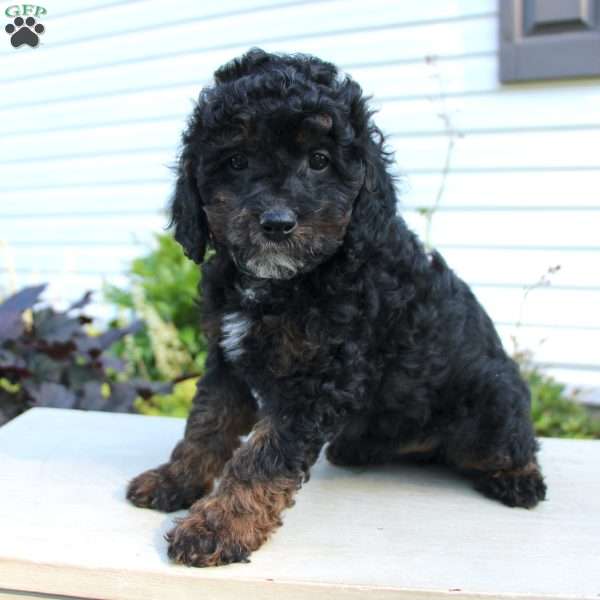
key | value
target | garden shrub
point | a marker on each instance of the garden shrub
(49, 358)
(176, 404)
(163, 292)
(556, 412)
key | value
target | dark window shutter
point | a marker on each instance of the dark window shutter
(549, 39)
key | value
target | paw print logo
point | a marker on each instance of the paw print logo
(24, 32)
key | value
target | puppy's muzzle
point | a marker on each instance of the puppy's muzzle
(277, 224)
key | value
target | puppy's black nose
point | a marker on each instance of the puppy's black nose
(278, 223)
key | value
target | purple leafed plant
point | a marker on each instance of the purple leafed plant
(47, 358)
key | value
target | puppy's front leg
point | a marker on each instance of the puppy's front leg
(258, 484)
(223, 410)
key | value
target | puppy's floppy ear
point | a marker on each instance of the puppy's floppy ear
(187, 215)
(375, 206)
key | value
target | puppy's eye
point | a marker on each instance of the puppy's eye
(318, 161)
(238, 162)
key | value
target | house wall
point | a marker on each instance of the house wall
(90, 123)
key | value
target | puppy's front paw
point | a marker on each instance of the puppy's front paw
(161, 490)
(211, 536)
(154, 489)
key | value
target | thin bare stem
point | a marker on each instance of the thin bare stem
(452, 134)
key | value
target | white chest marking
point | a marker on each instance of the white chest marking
(234, 328)
(258, 398)
(247, 293)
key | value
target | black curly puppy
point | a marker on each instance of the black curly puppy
(326, 319)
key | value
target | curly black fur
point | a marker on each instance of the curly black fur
(346, 331)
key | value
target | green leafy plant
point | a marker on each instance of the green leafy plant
(162, 291)
(49, 358)
(176, 404)
(556, 412)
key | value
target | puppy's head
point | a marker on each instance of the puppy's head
(274, 158)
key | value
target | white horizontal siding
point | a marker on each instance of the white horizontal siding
(523, 228)
(472, 74)
(144, 197)
(523, 267)
(116, 228)
(91, 122)
(526, 189)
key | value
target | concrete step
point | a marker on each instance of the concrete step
(407, 532)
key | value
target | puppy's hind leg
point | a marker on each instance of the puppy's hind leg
(360, 445)
(351, 452)
(353, 447)
(223, 410)
(521, 486)
(493, 442)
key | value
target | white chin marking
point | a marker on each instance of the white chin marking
(234, 328)
(273, 266)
